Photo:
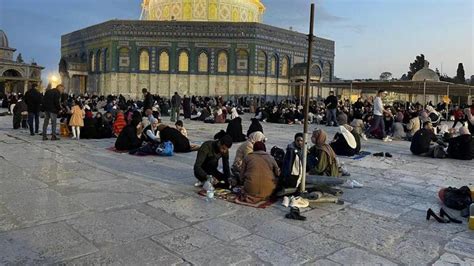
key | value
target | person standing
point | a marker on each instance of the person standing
(175, 106)
(51, 107)
(77, 120)
(148, 100)
(33, 100)
(379, 112)
(331, 107)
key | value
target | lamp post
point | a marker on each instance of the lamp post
(306, 106)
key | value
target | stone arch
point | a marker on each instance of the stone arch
(13, 72)
(285, 66)
(261, 63)
(144, 59)
(274, 65)
(223, 62)
(203, 61)
(183, 61)
(164, 60)
(242, 58)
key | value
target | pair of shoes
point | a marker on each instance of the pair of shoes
(352, 184)
(387, 139)
(442, 219)
(295, 215)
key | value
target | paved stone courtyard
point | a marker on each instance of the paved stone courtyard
(74, 202)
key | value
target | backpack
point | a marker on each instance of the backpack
(457, 198)
(165, 149)
(278, 154)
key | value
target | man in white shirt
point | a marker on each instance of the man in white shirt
(379, 110)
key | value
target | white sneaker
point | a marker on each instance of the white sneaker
(348, 184)
(198, 184)
(286, 201)
(357, 184)
(387, 138)
(364, 137)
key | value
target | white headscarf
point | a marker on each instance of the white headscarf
(234, 113)
(256, 137)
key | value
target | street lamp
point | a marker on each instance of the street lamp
(54, 80)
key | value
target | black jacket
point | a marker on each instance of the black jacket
(331, 102)
(180, 142)
(421, 141)
(254, 127)
(460, 147)
(33, 99)
(128, 140)
(52, 101)
(148, 102)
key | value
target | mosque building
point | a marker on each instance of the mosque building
(194, 47)
(16, 76)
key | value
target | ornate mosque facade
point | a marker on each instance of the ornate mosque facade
(194, 47)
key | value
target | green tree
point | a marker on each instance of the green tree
(415, 66)
(385, 76)
(460, 75)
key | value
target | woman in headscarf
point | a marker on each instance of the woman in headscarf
(469, 120)
(398, 129)
(233, 113)
(130, 137)
(103, 129)
(259, 171)
(89, 131)
(234, 129)
(322, 158)
(150, 133)
(345, 143)
(254, 127)
(119, 123)
(245, 149)
(180, 142)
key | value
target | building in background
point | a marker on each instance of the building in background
(200, 47)
(15, 75)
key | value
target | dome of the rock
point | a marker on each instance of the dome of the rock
(203, 10)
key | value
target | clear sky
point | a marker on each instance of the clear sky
(372, 36)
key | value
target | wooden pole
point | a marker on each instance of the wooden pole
(306, 106)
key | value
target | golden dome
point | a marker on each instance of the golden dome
(203, 10)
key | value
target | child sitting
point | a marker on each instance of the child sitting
(180, 127)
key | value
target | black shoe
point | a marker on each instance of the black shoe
(45, 137)
(430, 213)
(295, 215)
(443, 213)
(388, 155)
(32, 134)
(379, 154)
(54, 138)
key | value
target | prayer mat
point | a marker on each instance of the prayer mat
(113, 149)
(229, 196)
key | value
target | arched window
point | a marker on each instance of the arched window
(183, 62)
(242, 61)
(144, 60)
(92, 61)
(284, 67)
(222, 62)
(164, 61)
(273, 66)
(124, 57)
(262, 63)
(100, 57)
(203, 63)
(106, 59)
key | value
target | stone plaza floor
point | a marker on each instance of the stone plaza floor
(76, 203)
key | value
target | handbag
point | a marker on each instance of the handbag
(165, 149)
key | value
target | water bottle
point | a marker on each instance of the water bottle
(471, 217)
(209, 188)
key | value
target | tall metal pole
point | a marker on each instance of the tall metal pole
(447, 104)
(306, 106)
(424, 94)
